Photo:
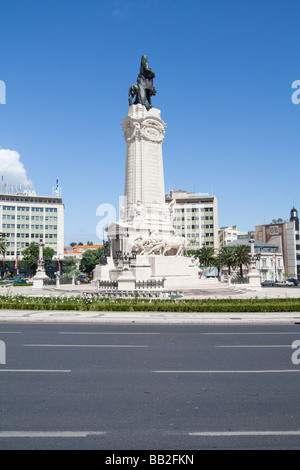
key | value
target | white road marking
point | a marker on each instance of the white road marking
(243, 433)
(252, 333)
(35, 370)
(255, 346)
(86, 345)
(101, 333)
(9, 332)
(224, 371)
(60, 434)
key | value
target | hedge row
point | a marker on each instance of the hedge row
(149, 305)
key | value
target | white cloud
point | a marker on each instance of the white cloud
(13, 171)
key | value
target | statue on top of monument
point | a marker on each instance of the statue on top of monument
(144, 88)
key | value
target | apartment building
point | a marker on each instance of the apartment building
(228, 235)
(195, 216)
(26, 218)
(285, 235)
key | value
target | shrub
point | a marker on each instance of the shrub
(92, 303)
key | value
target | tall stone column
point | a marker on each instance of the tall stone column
(144, 134)
(144, 205)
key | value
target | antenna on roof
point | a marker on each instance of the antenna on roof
(57, 189)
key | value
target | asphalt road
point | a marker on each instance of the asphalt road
(156, 387)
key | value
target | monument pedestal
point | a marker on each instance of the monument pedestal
(40, 276)
(38, 281)
(253, 275)
(126, 281)
(254, 279)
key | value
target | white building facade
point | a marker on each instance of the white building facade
(270, 260)
(195, 216)
(27, 218)
(228, 235)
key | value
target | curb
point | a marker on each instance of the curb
(50, 316)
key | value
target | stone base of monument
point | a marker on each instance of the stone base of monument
(254, 279)
(126, 280)
(38, 279)
(103, 271)
(176, 271)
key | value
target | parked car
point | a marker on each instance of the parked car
(82, 279)
(284, 284)
(20, 281)
(294, 281)
(268, 284)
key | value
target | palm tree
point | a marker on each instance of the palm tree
(3, 246)
(242, 256)
(207, 256)
(227, 258)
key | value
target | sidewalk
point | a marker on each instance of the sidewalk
(45, 316)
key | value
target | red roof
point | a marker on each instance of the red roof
(80, 248)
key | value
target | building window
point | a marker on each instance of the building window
(48, 209)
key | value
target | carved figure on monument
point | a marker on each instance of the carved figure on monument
(157, 244)
(144, 88)
(123, 212)
(139, 210)
(175, 245)
(195, 261)
(138, 245)
(147, 246)
(41, 262)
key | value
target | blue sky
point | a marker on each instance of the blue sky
(224, 71)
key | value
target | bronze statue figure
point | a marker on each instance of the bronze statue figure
(144, 88)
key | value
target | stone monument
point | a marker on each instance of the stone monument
(253, 274)
(40, 275)
(143, 243)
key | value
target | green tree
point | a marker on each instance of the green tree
(90, 259)
(227, 258)
(70, 266)
(242, 256)
(31, 256)
(207, 256)
(73, 244)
